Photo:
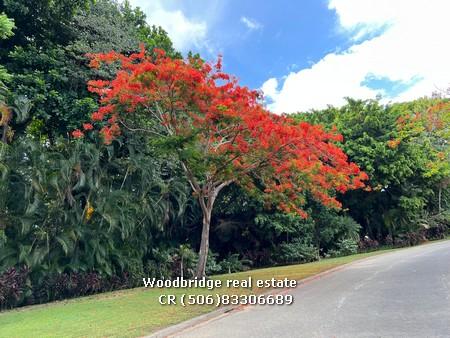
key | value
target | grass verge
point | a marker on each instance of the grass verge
(136, 312)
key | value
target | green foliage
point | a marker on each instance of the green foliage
(6, 27)
(332, 228)
(288, 224)
(230, 264)
(188, 259)
(159, 265)
(48, 64)
(102, 28)
(79, 207)
(345, 247)
(213, 267)
(297, 251)
(234, 264)
(399, 152)
(45, 22)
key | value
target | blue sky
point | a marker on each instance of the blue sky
(263, 39)
(311, 53)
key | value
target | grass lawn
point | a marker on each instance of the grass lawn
(135, 312)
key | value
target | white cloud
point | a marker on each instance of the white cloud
(251, 24)
(270, 88)
(184, 32)
(413, 45)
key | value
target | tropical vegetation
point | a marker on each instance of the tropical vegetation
(120, 159)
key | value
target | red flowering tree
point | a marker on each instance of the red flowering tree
(221, 134)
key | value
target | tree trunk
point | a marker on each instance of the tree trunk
(207, 197)
(204, 244)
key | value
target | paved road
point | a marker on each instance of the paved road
(401, 294)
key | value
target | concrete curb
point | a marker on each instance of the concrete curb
(224, 311)
(192, 323)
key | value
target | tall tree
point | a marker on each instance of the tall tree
(41, 22)
(220, 133)
(47, 55)
(429, 129)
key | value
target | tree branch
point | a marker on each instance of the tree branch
(141, 129)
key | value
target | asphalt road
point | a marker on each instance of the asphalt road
(405, 293)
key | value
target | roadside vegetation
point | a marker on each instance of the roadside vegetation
(120, 159)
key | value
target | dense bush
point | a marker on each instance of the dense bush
(367, 244)
(17, 287)
(297, 252)
(13, 287)
(438, 226)
(233, 264)
(409, 239)
(345, 247)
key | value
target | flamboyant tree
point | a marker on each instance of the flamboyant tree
(220, 133)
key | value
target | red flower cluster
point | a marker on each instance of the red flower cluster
(77, 133)
(240, 139)
(88, 126)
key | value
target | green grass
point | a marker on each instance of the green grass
(134, 312)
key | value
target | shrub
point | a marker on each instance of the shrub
(17, 287)
(409, 239)
(332, 228)
(438, 226)
(233, 264)
(14, 287)
(69, 285)
(212, 266)
(297, 252)
(184, 261)
(135, 272)
(345, 247)
(367, 244)
(161, 266)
